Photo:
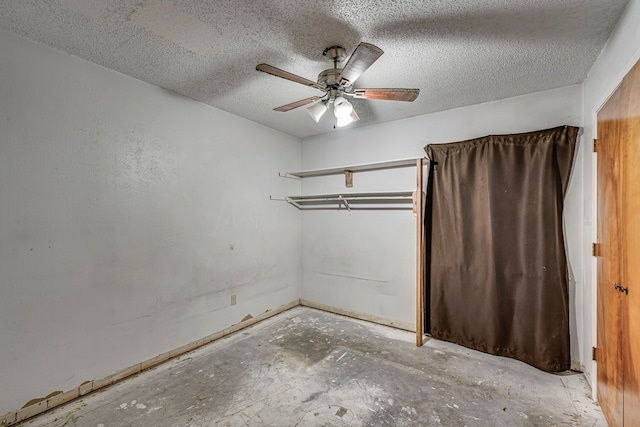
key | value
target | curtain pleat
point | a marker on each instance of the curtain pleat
(497, 275)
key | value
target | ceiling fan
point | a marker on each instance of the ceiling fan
(337, 83)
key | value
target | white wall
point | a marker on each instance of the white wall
(620, 53)
(128, 217)
(365, 261)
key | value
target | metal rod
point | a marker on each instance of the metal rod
(357, 208)
(293, 202)
(355, 198)
(358, 200)
(346, 203)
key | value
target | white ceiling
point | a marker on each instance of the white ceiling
(456, 52)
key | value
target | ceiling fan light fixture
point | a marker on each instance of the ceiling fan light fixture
(342, 108)
(317, 110)
(336, 83)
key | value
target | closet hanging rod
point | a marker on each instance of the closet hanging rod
(355, 196)
(353, 208)
(352, 201)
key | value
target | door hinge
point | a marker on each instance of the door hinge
(595, 145)
(596, 249)
(594, 353)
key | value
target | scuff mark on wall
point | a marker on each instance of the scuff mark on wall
(354, 277)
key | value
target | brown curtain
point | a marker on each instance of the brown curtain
(497, 273)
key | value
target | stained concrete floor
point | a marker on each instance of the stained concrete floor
(310, 368)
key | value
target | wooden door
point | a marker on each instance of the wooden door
(610, 368)
(619, 261)
(631, 247)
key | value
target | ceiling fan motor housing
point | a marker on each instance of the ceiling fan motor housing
(329, 78)
(335, 53)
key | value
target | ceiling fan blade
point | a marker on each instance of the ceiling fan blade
(297, 104)
(361, 59)
(266, 68)
(408, 95)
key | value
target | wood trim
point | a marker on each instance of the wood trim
(419, 254)
(358, 315)
(348, 179)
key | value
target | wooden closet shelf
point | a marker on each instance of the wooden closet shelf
(389, 164)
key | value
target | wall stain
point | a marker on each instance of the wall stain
(354, 277)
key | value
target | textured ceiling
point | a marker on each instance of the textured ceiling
(456, 52)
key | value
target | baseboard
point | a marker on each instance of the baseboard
(360, 316)
(576, 366)
(56, 399)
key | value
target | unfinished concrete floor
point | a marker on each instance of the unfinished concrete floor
(310, 368)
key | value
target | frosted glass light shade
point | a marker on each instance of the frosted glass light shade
(342, 108)
(343, 121)
(317, 110)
